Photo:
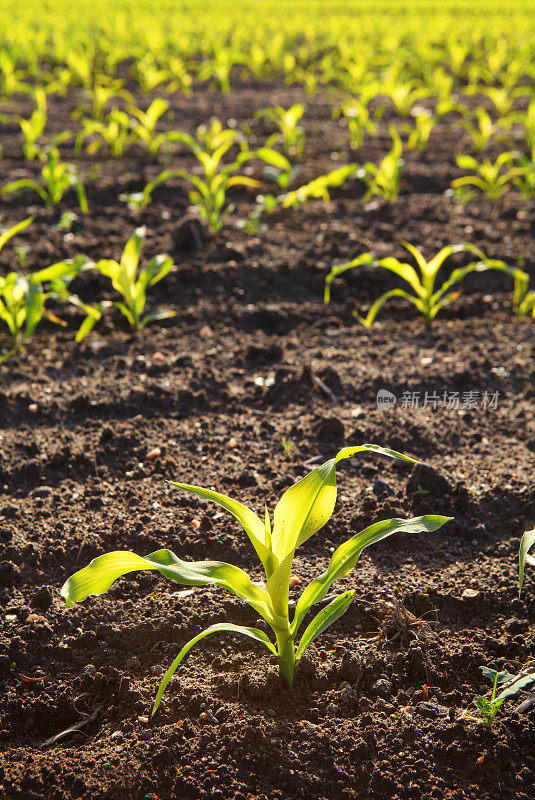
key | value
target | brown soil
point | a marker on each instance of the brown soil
(375, 712)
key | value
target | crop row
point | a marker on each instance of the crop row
(24, 299)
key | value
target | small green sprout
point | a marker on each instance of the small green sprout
(424, 124)
(114, 131)
(287, 445)
(209, 194)
(359, 122)
(144, 130)
(33, 128)
(57, 177)
(132, 283)
(494, 179)
(384, 179)
(304, 508)
(23, 300)
(425, 297)
(290, 134)
(504, 685)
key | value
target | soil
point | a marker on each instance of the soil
(375, 713)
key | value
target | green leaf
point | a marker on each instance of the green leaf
(302, 510)
(132, 252)
(510, 691)
(346, 556)
(252, 633)
(339, 269)
(250, 522)
(323, 620)
(155, 316)
(371, 316)
(103, 571)
(5, 237)
(526, 543)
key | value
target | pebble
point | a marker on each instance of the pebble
(470, 594)
(205, 332)
(91, 670)
(143, 720)
(157, 670)
(294, 581)
(207, 718)
(33, 408)
(154, 453)
(133, 662)
(116, 735)
(382, 687)
(158, 357)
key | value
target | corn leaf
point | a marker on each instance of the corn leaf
(346, 556)
(252, 633)
(323, 620)
(103, 571)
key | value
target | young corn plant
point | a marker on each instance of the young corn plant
(290, 134)
(523, 296)
(57, 177)
(114, 131)
(209, 194)
(23, 300)
(33, 128)
(359, 122)
(318, 188)
(403, 96)
(424, 124)
(504, 685)
(427, 299)
(493, 179)
(132, 283)
(384, 179)
(301, 512)
(144, 130)
(482, 130)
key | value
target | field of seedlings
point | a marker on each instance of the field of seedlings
(253, 254)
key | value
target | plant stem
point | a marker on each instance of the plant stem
(285, 647)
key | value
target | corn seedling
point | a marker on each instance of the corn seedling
(144, 130)
(287, 445)
(359, 122)
(526, 543)
(99, 95)
(279, 169)
(57, 177)
(114, 131)
(33, 128)
(504, 685)
(290, 134)
(424, 124)
(132, 283)
(23, 301)
(403, 96)
(319, 187)
(482, 130)
(301, 512)
(384, 179)
(493, 179)
(425, 297)
(209, 194)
